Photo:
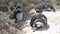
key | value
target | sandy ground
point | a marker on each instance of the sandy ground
(8, 26)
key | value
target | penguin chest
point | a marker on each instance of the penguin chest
(39, 24)
(19, 17)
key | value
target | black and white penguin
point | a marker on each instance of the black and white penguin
(44, 6)
(38, 21)
(17, 15)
